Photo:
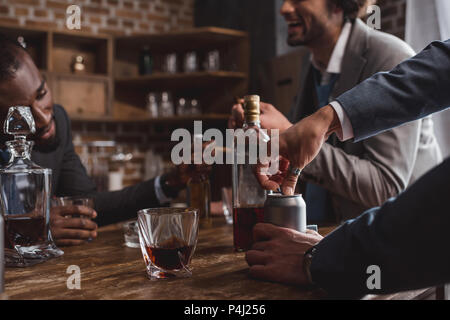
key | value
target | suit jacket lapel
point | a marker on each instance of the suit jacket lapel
(305, 95)
(354, 59)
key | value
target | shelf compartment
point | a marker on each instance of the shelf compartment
(164, 81)
(81, 94)
(93, 49)
(189, 39)
(148, 119)
(35, 40)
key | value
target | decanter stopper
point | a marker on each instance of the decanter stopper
(19, 122)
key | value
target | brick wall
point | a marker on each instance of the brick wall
(393, 16)
(119, 17)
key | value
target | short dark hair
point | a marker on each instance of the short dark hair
(349, 7)
(9, 60)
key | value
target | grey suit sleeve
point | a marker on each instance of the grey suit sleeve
(407, 238)
(412, 90)
(381, 172)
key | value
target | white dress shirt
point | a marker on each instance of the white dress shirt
(335, 66)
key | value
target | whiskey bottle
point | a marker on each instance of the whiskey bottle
(248, 195)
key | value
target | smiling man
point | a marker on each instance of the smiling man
(346, 178)
(21, 84)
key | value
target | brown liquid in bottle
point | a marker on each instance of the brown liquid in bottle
(244, 221)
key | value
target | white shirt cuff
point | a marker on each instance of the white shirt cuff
(162, 198)
(346, 125)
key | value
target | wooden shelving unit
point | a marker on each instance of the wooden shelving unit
(215, 90)
(169, 120)
(111, 89)
(89, 93)
(166, 81)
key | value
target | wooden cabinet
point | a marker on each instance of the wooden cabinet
(215, 90)
(82, 94)
(111, 88)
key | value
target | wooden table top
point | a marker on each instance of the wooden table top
(110, 270)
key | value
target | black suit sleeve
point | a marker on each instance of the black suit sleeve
(407, 238)
(73, 179)
(414, 89)
(124, 204)
(111, 206)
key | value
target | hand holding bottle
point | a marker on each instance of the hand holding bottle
(298, 146)
(270, 117)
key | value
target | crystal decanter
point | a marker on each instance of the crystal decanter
(25, 197)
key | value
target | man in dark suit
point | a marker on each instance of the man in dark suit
(407, 237)
(21, 84)
(346, 178)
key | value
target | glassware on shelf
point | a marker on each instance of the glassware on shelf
(181, 107)
(78, 65)
(145, 61)
(152, 105)
(212, 61)
(117, 164)
(166, 105)
(153, 164)
(25, 194)
(100, 163)
(190, 62)
(21, 41)
(170, 63)
(195, 107)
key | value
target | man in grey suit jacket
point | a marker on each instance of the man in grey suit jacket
(345, 178)
(358, 176)
(406, 238)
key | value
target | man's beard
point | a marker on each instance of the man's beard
(313, 33)
(48, 145)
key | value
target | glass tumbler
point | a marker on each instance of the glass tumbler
(73, 201)
(70, 201)
(168, 237)
(131, 234)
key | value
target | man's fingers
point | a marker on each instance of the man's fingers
(77, 210)
(261, 272)
(237, 115)
(69, 242)
(264, 179)
(73, 234)
(264, 231)
(289, 183)
(313, 232)
(255, 257)
(75, 223)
